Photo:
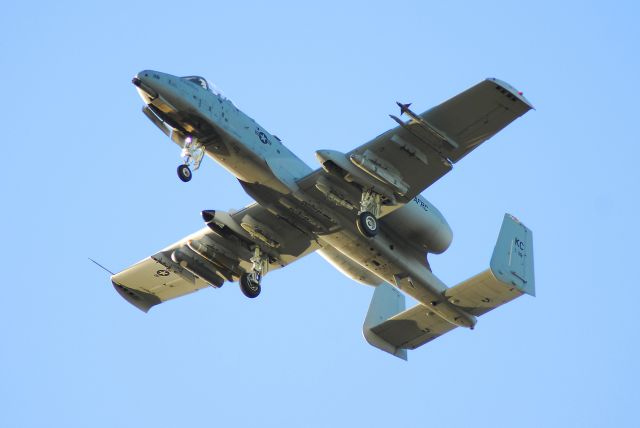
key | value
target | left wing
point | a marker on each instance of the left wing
(212, 255)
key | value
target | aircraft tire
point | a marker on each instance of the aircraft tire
(184, 173)
(367, 224)
(249, 286)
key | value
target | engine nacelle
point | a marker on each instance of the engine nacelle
(421, 223)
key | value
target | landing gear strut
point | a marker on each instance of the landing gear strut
(192, 153)
(367, 221)
(250, 281)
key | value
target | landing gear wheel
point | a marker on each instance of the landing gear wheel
(250, 285)
(367, 224)
(184, 173)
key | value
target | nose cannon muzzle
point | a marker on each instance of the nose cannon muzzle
(139, 83)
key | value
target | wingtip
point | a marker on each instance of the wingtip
(139, 299)
(514, 92)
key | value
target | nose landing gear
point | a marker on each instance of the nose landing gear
(192, 153)
(250, 281)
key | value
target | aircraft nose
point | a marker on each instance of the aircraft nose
(143, 81)
(145, 74)
(143, 77)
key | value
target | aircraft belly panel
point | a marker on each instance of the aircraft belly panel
(388, 260)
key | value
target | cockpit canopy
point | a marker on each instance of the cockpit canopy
(200, 81)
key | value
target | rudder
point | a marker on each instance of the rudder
(512, 259)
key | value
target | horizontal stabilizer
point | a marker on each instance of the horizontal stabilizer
(510, 276)
(389, 328)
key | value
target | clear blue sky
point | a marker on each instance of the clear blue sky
(86, 175)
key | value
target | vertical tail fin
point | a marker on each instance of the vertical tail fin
(386, 302)
(512, 260)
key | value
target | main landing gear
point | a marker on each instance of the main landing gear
(250, 284)
(250, 281)
(192, 153)
(367, 221)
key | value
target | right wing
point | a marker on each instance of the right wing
(212, 255)
(422, 150)
(402, 162)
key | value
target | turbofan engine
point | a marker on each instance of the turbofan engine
(422, 224)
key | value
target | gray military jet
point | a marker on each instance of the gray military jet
(362, 210)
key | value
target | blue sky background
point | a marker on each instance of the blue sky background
(86, 175)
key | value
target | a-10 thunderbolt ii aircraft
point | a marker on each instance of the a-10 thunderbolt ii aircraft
(361, 210)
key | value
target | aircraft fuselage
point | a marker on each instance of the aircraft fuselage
(275, 178)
